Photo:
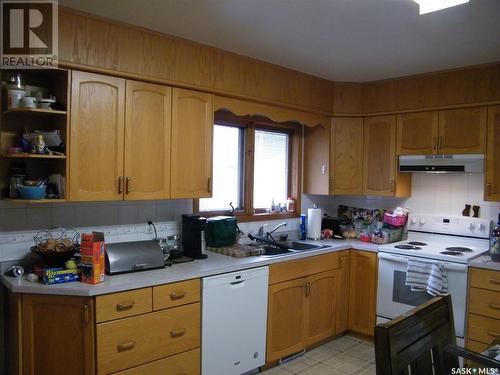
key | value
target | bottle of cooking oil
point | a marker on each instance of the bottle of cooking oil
(495, 242)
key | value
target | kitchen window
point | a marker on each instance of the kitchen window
(255, 168)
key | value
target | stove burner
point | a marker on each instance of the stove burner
(460, 249)
(452, 253)
(417, 243)
(407, 247)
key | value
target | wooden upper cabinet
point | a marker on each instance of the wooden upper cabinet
(462, 131)
(321, 306)
(96, 137)
(379, 156)
(147, 141)
(285, 319)
(346, 156)
(71, 351)
(192, 129)
(417, 133)
(316, 160)
(363, 287)
(492, 191)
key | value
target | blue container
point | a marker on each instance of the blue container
(32, 192)
(302, 227)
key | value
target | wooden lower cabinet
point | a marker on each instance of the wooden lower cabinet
(285, 319)
(187, 363)
(342, 321)
(320, 306)
(363, 296)
(303, 310)
(58, 335)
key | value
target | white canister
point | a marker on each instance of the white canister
(314, 216)
(29, 101)
(15, 98)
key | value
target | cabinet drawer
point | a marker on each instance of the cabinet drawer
(176, 294)
(130, 342)
(187, 363)
(485, 279)
(483, 329)
(484, 302)
(123, 304)
(295, 269)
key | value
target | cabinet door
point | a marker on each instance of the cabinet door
(379, 155)
(285, 319)
(343, 293)
(346, 151)
(492, 191)
(320, 306)
(147, 141)
(363, 284)
(192, 128)
(316, 160)
(58, 335)
(417, 133)
(97, 135)
(462, 131)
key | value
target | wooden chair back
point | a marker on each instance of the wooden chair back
(414, 343)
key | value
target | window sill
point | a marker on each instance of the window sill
(267, 216)
(245, 218)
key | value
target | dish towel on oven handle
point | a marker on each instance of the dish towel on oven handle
(429, 276)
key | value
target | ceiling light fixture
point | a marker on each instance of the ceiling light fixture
(428, 6)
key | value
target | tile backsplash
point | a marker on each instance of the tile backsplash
(444, 194)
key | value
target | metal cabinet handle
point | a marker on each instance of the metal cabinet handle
(488, 186)
(86, 314)
(126, 346)
(495, 281)
(308, 289)
(127, 185)
(393, 186)
(209, 185)
(440, 142)
(120, 185)
(124, 306)
(434, 147)
(494, 306)
(177, 295)
(177, 332)
(492, 333)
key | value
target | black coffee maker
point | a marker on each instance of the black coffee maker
(193, 227)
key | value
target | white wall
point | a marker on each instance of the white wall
(431, 194)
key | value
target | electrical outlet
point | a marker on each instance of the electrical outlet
(149, 228)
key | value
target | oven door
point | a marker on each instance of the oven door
(395, 298)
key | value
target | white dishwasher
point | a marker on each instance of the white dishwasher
(234, 319)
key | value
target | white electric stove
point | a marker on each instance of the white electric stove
(450, 240)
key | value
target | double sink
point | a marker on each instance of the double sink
(281, 248)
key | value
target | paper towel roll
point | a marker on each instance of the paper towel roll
(314, 216)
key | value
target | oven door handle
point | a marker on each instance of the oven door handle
(394, 258)
(447, 265)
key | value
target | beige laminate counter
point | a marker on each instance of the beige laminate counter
(213, 265)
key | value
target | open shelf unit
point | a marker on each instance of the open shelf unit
(15, 121)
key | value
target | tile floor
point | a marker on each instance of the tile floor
(345, 355)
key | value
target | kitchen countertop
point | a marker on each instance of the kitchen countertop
(213, 265)
(484, 261)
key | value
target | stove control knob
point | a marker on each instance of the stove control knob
(482, 227)
(422, 221)
(471, 226)
(413, 220)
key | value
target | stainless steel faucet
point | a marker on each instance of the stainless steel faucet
(275, 229)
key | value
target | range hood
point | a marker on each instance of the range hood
(470, 163)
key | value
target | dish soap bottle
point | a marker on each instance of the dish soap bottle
(495, 242)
